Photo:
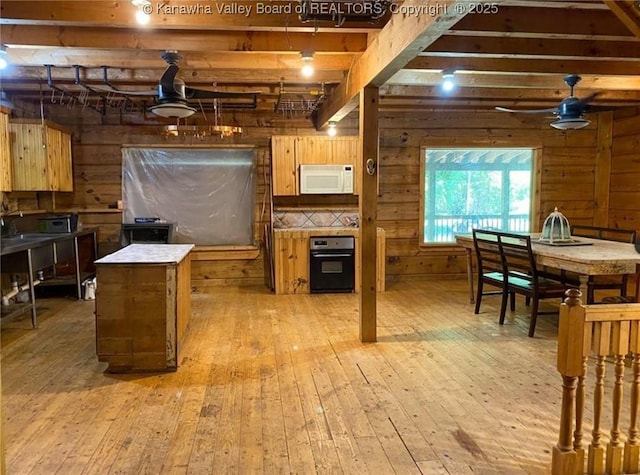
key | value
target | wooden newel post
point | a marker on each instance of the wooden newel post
(570, 365)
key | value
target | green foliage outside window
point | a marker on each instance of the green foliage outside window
(476, 188)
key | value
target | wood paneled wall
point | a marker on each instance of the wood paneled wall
(624, 195)
(567, 176)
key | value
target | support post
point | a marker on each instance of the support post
(368, 142)
(570, 364)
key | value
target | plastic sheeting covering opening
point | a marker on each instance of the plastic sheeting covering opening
(208, 193)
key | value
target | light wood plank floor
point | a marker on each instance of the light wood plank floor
(281, 384)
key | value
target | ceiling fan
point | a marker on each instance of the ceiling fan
(173, 95)
(570, 111)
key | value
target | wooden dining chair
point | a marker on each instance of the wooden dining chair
(635, 298)
(609, 282)
(490, 268)
(523, 276)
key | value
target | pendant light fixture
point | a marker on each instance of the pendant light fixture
(307, 67)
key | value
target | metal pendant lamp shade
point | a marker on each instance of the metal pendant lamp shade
(556, 228)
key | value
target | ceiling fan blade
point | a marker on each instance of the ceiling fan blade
(191, 93)
(168, 78)
(590, 97)
(529, 111)
(124, 92)
(590, 109)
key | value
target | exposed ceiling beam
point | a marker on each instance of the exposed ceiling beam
(190, 59)
(529, 47)
(558, 4)
(545, 23)
(417, 93)
(628, 12)
(505, 80)
(191, 76)
(183, 14)
(401, 40)
(187, 40)
(527, 66)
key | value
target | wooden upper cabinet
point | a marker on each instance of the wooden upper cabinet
(5, 151)
(313, 150)
(283, 166)
(41, 156)
(344, 151)
(289, 152)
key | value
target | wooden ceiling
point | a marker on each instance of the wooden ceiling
(512, 53)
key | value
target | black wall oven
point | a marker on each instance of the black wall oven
(332, 264)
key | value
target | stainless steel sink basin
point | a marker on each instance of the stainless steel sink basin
(23, 238)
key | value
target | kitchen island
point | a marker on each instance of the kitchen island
(143, 306)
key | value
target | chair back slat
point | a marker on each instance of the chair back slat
(487, 251)
(518, 254)
(608, 234)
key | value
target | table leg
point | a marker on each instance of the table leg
(584, 288)
(470, 275)
(32, 292)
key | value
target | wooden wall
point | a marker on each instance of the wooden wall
(566, 176)
(569, 176)
(624, 196)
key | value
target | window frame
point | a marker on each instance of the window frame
(535, 183)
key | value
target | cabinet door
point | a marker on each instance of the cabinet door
(291, 263)
(313, 150)
(60, 172)
(344, 151)
(28, 157)
(5, 152)
(283, 166)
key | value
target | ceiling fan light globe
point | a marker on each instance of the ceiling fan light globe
(173, 110)
(570, 123)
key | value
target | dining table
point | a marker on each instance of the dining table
(583, 256)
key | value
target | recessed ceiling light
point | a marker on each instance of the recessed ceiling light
(143, 15)
(448, 81)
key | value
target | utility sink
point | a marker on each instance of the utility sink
(24, 238)
(23, 242)
(20, 250)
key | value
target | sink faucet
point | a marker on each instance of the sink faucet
(9, 213)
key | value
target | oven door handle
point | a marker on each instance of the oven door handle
(330, 255)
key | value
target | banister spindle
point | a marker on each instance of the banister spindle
(578, 433)
(596, 449)
(632, 446)
(631, 462)
(620, 347)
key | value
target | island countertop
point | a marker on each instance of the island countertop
(148, 254)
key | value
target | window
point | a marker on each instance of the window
(475, 188)
(209, 193)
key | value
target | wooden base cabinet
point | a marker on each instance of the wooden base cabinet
(291, 257)
(143, 306)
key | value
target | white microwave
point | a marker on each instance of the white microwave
(326, 179)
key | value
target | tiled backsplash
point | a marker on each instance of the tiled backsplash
(315, 219)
